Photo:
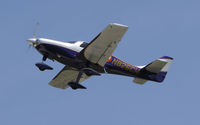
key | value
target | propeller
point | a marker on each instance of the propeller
(36, 30)
(35, 34)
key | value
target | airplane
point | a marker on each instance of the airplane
(83, 60)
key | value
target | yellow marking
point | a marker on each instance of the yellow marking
(128, 67)
(113, 62)
(119, 63)
(116, 62)
(125, 66)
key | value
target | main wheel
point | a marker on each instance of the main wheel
(75, 85)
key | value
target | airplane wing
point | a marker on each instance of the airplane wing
(66, 75)
(102, 46)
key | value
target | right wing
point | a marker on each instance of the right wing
(101, 47)
(66, 75)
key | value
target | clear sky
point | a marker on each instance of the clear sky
(156, 28)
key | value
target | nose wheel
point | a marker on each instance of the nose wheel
(44, 58)
(42, 66)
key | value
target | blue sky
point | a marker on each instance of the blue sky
(156, 28)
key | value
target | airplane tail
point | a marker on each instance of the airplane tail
(155, 71)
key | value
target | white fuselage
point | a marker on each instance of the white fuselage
(75, 46)
(64, 52)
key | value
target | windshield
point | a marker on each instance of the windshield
(84, 44)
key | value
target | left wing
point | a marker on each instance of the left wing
(101, 48)
(66, 75)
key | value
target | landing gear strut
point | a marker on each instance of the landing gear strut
(89, 72)
(44, 58)
(75, 85)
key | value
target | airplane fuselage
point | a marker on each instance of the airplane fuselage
(67, 53)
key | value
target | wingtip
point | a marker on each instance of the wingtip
(167, 57)
(117, 24)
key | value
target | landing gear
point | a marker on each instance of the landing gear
(42, 66)
(44, 58)
(89, 72)
(76, 85)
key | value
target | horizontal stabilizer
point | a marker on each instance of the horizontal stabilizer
(140, 81)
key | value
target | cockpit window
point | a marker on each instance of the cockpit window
(84, 44)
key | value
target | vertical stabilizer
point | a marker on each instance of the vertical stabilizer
(168, 61)
(156, 70)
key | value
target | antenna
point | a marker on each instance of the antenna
(36, 30)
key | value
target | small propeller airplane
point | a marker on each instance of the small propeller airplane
(83, 60)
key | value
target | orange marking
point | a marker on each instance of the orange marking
(110, 59)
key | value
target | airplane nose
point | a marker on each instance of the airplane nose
(31, 41)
